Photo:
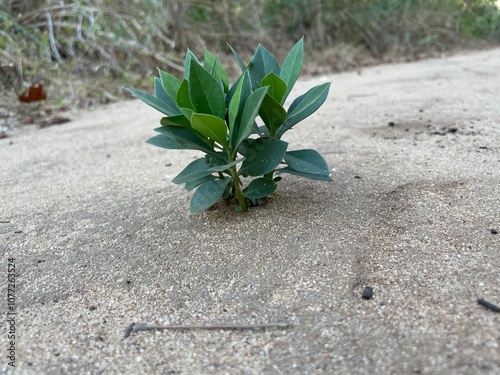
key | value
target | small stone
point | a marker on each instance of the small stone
(493, 231)
(391, 123)
(367, 293)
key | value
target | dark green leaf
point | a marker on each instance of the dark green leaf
(190, 56)
(260, 188)
(307, 161)
(154, 102)
(241, 63)
(179, 120)
(197, 182)
(304, 106)
(205, 92)
(208, 194)
(164, 141)
(210, 126)
(186, 138)
(214, 66)
(303, 174)
(161, 94)
(248, 116)
(222, 168)
(263, 63)
(195, 170)
(237, 104)
(292, 66)
(170, 83)
(272, 113)
(263, 155)
(277, 87)
(183, 99)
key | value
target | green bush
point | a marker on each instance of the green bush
(204, 113)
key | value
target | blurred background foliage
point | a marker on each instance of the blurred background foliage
(83, 51)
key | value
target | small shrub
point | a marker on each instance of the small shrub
(203, 113)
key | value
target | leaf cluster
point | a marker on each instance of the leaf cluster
(203, 112)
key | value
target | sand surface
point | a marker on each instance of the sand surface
(101, 238)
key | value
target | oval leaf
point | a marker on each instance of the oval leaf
(186, 138)
(292, 66)
(164, 141)
(208, 194)
(303, 174)
(222, 168)
(154, 102)
(248, 115)
(263, 155)
(307, 161)
(304, 106)
(205, 92)
(214, 66)
(277, 86)
(210, 126)
(170, 83)
(272, 113)
(195, 170)
(260, 188)
(263, 63)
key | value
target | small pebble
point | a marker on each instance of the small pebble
(367, 293)
(391, 123)
(493, 231)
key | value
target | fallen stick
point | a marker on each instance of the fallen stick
(135, 328)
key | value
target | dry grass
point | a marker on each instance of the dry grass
(84, 51)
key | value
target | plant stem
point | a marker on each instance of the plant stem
(237, 189)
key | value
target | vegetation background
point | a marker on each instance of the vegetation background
(84, 51)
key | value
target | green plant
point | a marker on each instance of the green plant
(203, 113)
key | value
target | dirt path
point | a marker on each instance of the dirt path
(101, 238)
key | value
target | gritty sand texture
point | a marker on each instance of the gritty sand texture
(102, 239)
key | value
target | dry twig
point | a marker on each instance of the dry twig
(135, 328)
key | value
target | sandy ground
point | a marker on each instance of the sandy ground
(101, 238)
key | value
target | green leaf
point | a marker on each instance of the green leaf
(225, 167)
(197, 182)
(213, 65)
(263, 63)
(154, 102)
(303, 174)
(307, 161)
(186, 138)
(241, 63)
(205, 92)
(248, 116)
(195, 170)
(263, 155)
(304, 106)
(277, 87)
(260, 188)
(272, 113)
(210, 126)
(179, 120)
(292, 66)
(170, 83)
(164, 141)
(190, 56)
(183, 99)
(208, 194)
(236, 106)
(161, 94)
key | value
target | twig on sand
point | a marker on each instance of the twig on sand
(135, 328)
(4, 221)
